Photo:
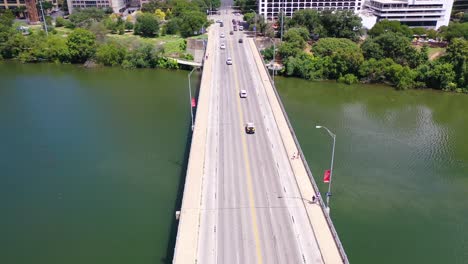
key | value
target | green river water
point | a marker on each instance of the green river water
(92, 161)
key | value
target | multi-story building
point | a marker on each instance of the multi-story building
(425, 13)
(270, 9)
(460, 6)
(117, 6)
(25, 9)
(414, 13)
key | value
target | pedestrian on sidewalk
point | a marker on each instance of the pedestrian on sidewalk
(293, 156)
(298, 155)
(313, 199)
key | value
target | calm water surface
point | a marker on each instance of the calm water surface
(400, 190)
(91, 162)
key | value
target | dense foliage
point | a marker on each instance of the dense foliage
(183, 17)
(336, 24)
(147, 25)
(387, 55)
(79, 46)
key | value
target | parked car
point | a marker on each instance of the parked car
(231, 32)
(241, 28)
(241, 40)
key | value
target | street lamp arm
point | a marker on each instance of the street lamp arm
(328, 130)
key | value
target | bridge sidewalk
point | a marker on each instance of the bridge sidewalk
(324, 236)
(189, 222)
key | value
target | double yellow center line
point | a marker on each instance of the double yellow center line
(247, 163)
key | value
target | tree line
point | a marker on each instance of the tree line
(385, 56)
(88, 39)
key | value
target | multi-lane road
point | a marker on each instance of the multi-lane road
(251, 207)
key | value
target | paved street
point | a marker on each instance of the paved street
(251, 208)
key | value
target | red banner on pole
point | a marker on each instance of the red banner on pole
(193, 102)
(326, 176)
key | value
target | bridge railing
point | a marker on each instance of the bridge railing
(336, 238)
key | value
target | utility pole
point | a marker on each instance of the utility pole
(331, 166)
(190, 94)
(282, 19)
(43, 18)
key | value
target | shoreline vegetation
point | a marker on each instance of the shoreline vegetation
(150, 38)
(316, 45)
(331, 46)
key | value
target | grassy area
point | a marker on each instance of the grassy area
(204, 36)
(435, 53)
(172, 44)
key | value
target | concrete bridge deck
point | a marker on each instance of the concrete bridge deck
(245, 200)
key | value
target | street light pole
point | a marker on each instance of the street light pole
(331, 166)
(43, 18)
(255, 27)
(274, 57)
(190, 95)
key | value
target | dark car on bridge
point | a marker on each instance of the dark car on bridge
(249, 128)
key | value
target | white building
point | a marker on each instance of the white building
(414, 13)
(117, 5)
(271, 8)
(423, 13)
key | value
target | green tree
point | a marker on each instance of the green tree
(437, 75)
(385, 26)
(308, 18)
(392, 45)
(373, 70)
(172, 26)
(6, 32)
(191, 23)
(341, 24)
(81, 44)
(295, 40)
(111, 54)
(147, 25)
(128, 25)
(57, 49)
(455, 30)
(348, 78)
(60, 22)
(85, 17)
(305, 66)
(46, 5)
(457, 55)
(160, 14)
(341, 56)
(419, 31)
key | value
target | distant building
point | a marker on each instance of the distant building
(414, 13)
(118, 6)
(270, 9)
(460, 6)
(22, 7)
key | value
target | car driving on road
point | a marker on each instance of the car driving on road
(222, 35)
(229, 61)
(250, 128)
(243, 93)
(222, 46)
(241, 40)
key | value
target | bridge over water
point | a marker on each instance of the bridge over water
(247, 196)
